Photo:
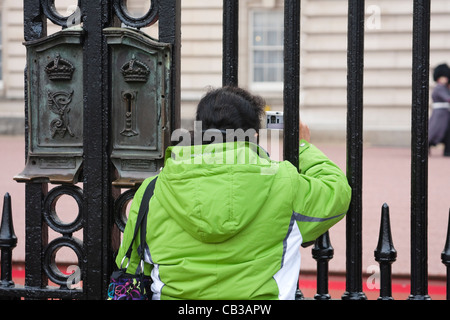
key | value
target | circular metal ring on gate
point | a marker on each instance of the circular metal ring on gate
(49, 264)
(51, 13)
(120, 206)
(146, 20)
(51, 216)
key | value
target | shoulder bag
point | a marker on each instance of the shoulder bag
(125, 286)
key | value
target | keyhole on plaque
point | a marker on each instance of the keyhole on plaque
(128, 103)
(129, 100)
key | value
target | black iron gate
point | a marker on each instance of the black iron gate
(97, 181)
(83, 140)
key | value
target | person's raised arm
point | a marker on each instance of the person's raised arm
(321, 191)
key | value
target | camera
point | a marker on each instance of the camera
(274, 120)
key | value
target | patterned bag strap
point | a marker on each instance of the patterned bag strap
(141, 221)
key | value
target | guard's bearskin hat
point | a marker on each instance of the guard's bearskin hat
(441, 70)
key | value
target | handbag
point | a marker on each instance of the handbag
(125, 286)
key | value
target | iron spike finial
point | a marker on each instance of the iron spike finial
(445, 255)
(385, 251)
(385, 255)
(8, 238)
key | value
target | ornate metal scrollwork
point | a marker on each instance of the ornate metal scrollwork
(50, 266)
(50, 11)
(120, 206)
(146, 20)
(51, 216)
(66, 229)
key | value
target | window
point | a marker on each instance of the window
(266, 49)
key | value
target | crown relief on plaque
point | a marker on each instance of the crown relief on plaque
(135, 71)
(59, 69)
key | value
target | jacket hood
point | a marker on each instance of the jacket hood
(214, 191)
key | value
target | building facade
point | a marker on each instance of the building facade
(388, 60)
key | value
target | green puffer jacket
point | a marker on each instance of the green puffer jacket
(226, 222)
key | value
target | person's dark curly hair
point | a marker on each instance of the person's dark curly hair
(230, 108)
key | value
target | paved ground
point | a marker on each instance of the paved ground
(386, 178)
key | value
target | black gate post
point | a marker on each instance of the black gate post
(230, 43)
(355, 75)
(419, 150)
(291, 89)
(97, 169)
(291, 93)
(170, 32)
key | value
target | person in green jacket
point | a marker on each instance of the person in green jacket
(225, 221)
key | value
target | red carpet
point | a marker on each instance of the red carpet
(401, 288)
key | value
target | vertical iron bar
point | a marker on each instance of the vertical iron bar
(36, 231)
(355, 75)
(322, 252)
(170, 32)
(419, 150)
(34, 27)
(35, 22)
(445, 257)
(447, 142)
(385, 255)
(97, 168)
(36, 234)
(291, 90)
(8, 242)
(291, 94)
(230, 42)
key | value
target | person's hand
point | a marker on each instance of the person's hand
(304, 132)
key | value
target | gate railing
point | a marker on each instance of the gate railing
(385, 253)
(99, 198)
